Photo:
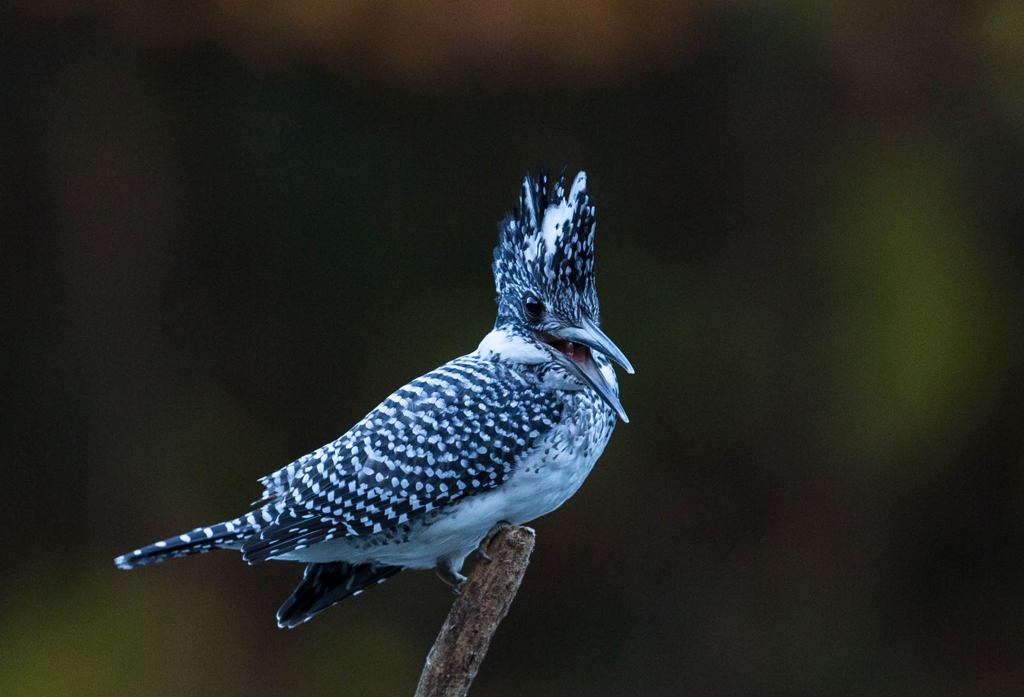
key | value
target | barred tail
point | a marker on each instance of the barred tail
(220, 536)
(327, 584)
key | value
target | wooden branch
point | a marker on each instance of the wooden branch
(485, 600)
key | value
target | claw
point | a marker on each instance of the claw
(447, 572)
(486, 542)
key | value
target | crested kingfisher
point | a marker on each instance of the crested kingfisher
(499, 436)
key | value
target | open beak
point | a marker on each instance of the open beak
(573, 351)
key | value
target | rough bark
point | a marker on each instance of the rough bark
(484, 601)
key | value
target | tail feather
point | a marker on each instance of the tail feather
(324, 585)
(198, 541)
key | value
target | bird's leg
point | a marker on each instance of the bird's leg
(447, 572)
(486, 542)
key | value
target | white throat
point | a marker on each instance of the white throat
(500, 345)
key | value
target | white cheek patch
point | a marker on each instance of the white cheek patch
(500, 345)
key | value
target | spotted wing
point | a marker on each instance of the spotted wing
(456, 431)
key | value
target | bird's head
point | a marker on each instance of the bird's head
(547, 300)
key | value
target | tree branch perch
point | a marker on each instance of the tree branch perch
(484, 601)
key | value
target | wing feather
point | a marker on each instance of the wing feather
(453, 432)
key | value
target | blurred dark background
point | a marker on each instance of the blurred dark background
(230, 229)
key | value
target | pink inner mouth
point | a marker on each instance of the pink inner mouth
(577, 353)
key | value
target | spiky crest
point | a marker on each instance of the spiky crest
(547, 247)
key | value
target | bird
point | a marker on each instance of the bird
(500, 436)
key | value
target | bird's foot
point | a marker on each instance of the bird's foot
(447, 572)
(486, 542)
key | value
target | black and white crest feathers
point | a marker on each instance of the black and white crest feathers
(547, 246)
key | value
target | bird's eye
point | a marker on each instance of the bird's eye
(533, 306)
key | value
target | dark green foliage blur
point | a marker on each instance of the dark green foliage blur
(810, 244)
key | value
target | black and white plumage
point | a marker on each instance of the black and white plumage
(504, 434)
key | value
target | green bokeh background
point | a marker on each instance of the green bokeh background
(222, 247)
